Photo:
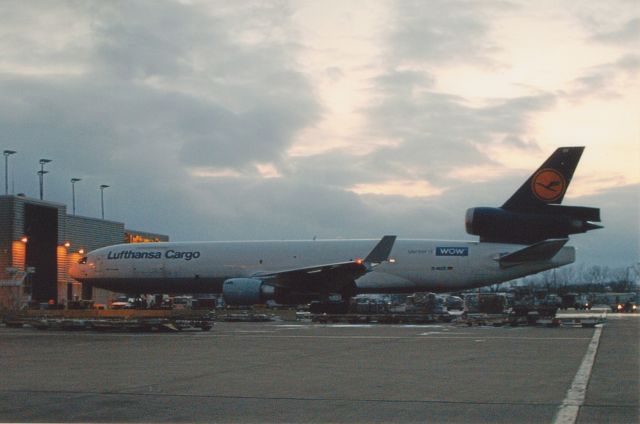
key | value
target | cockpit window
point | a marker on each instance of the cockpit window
(83, 260)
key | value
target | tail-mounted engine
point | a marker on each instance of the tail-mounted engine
(526, 227)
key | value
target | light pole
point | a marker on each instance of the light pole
(73, 193)
(102, 187)
(6, 154)
(41, 174)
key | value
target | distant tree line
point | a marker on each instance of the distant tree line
(582, 279)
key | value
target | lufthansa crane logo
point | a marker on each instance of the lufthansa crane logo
(548, 185)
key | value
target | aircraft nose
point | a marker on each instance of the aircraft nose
(77, 270)
(74, 270)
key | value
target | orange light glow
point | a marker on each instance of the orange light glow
(18, 254)
(63, 265)
(81, 251)
(74, 258)
(137, 238)
(24, 239)
(359, 261)
(67, 244)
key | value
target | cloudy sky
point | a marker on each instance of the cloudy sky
(215, 120)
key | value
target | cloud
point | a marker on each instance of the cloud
(261, 134)
(441, 32)
(629, 62)
(179, 48)
(627, 33)
(605, 80)
(36, 43)
(430, 125)
(427, 124)
(160, 83)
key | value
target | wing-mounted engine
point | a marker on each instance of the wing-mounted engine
(252, 291)
(246, 291)
(552, 222)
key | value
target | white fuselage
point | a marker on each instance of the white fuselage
(413, 266)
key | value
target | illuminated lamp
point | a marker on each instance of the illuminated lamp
(81, 251)
(24, 239)
(67, 244)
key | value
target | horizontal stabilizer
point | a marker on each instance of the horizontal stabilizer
(582, 213)
(542, 251)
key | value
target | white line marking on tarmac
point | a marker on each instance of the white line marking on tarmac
(435, 336)
(568, 411)
(416, 337)
(350, 326)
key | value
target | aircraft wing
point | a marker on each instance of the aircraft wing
(329, 278)
(541, 251)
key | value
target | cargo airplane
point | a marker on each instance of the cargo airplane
(524, 236)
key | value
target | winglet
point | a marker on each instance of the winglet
(381, 251)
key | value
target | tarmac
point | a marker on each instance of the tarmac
(279, 372)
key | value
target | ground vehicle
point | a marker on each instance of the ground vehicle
(628, 307)
(576, 301)
(183, 302)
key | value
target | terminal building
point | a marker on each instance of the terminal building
(38, 242)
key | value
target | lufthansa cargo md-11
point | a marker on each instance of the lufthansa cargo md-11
(526, 235)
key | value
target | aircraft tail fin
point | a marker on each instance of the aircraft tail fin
(549, 183)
